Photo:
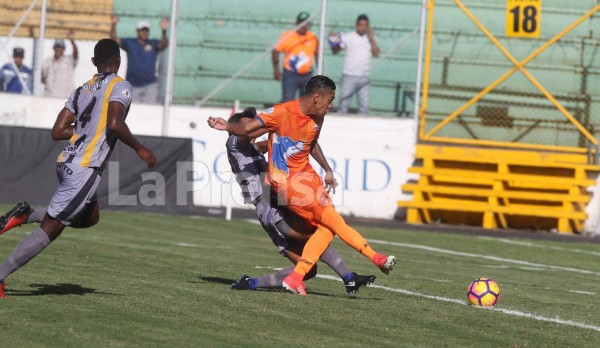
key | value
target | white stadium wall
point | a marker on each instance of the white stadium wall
(370, 155)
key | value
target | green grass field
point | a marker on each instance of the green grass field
(150, 280)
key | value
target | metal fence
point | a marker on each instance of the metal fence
(512, 73)
(222, 50)
(508, 73)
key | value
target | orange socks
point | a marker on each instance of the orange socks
(334, 221)
(331, 220)
(313, 249)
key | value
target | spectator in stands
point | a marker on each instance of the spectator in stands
(300, 48)
(360, 46)
(58, 73)
(9, 80)
(141, 58)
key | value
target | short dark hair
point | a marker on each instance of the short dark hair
(318, 82)
(105, 51)
(362, 17)
(248, 112)
(302, 16)
(18, 52)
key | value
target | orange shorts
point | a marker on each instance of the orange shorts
(304, 195)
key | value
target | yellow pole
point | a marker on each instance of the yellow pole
(423, 110)
(518, 66)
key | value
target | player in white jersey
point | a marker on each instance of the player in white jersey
(93, 119)
(288, 232)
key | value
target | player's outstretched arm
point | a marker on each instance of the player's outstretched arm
(252, 136)
(317, 153)
(116, 123)
(63, 126)
(164, 40)
(114, 19)
(239, 129)
(71, 38)
(258, 133)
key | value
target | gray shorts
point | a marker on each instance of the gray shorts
(77, 188)
(268, 217)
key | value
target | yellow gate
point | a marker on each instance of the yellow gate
(484, 86)
(507, 124)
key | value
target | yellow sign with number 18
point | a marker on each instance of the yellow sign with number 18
(523, 18)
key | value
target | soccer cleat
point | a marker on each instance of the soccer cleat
(2, 286)
(15, 217)
(293, 283)
(242, 284)
(357, 281)
(385, 263)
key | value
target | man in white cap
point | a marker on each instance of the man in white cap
(141, 58)
(58, 72)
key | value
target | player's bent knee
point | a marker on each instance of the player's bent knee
(93, 221)
(53, 232)
(87, 219)
(52, 227)
(283, 228)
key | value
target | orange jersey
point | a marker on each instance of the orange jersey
(299, 51)
(291, 135)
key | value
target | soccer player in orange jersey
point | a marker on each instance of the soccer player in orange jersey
(294, 129)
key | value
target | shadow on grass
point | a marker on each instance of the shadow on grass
(228, 282)
(216, 280)
(310, 292)
(341, 295)
(56, 289)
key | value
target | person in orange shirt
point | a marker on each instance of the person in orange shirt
(294, 128)
(300, 48)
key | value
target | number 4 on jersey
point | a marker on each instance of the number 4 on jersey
(86, 114)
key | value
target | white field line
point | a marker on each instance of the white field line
(439, 280)
(534, 245)
(188, 245)
(496, 266)
(202, 246)
(582, 292)
(532, 268)
(479, 256)
(401, 291)
(512, 312)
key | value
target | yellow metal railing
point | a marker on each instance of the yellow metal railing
(496, 188)
(426, 72)
(518, 66)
